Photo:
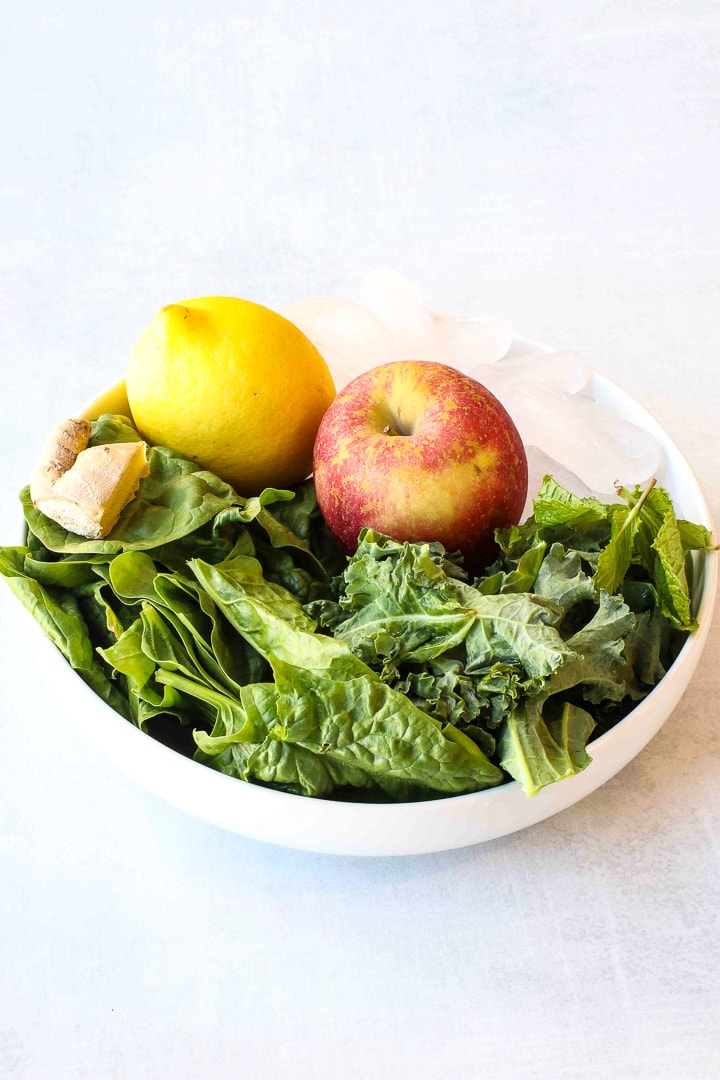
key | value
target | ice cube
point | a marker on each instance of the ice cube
(349, 337)
(560, 371)
(600, 448)
(398, 304)
(634, 455)
(471, 342)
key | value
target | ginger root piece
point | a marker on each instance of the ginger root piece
(88, 495)
(58, 454)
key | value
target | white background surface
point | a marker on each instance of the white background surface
(555, 162)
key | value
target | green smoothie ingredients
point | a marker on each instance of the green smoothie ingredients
(237, 631)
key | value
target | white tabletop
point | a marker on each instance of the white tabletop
(557, 163)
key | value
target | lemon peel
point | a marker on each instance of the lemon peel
(233, 386)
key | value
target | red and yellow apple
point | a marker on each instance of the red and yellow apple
(419, 451)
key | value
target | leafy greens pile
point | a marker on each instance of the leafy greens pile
(235, 630)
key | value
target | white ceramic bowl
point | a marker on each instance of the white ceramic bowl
(406, 828)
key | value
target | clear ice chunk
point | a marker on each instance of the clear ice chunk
(470, 342)
(417, 333)
(599, 447)
(561, 371)
(346, 334)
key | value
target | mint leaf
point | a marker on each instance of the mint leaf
(555, 505)
(669, 574)
(659, 544)
(696, 537)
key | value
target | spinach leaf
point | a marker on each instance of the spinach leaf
(363, 723)
(271, 619)
(112, 428)
(252, 752)
(58, 611)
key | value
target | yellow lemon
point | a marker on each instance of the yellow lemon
(233, 386)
